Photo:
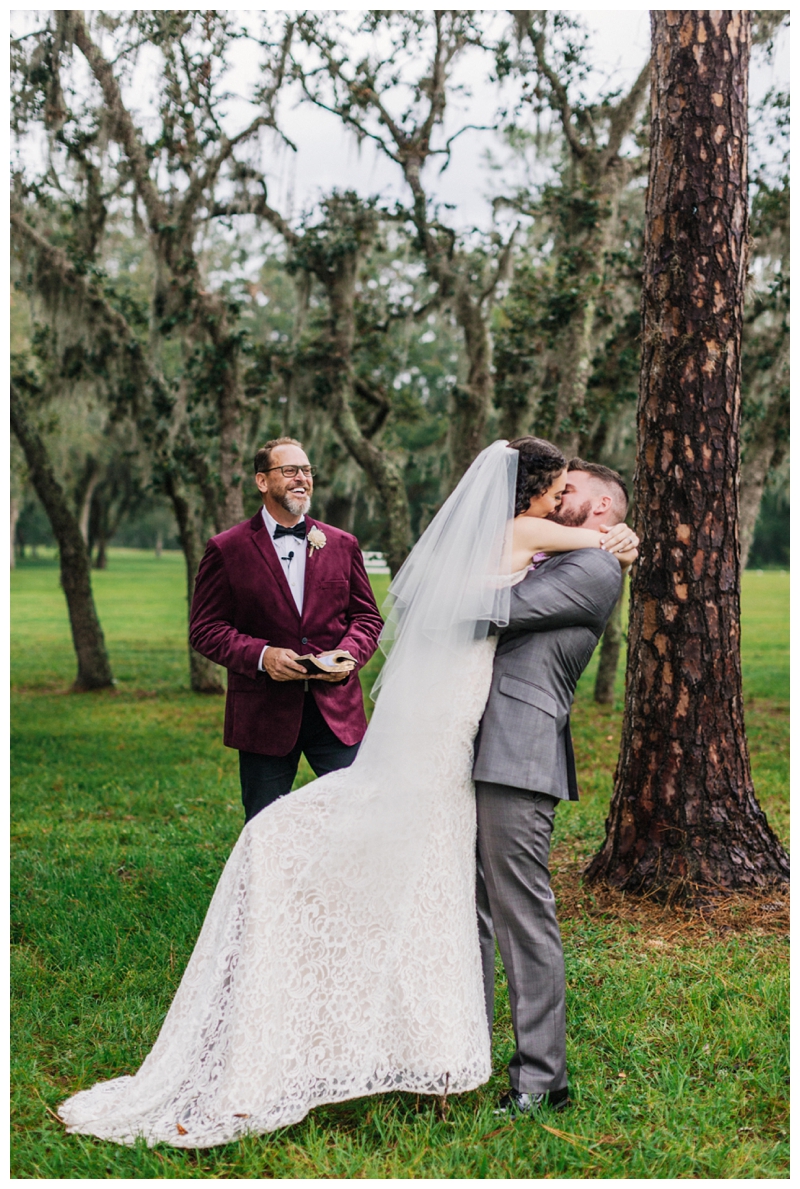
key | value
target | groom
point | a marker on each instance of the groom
(524, 766)
(267, 591)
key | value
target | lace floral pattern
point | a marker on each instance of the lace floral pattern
(319, 975)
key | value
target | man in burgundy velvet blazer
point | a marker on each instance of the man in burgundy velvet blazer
(265, 595)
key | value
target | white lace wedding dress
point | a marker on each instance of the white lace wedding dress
(340, 955)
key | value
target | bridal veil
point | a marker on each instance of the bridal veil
(339, 956)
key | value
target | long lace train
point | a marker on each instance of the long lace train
(324, 971)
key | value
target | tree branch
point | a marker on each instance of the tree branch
(377, 399)
(122, 125)
(503, 269)
(346, 118)
(58, 262)
(558, 93)
(624, 114)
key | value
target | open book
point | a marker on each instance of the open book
(337, 661)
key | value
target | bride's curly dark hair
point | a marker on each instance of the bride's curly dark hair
(540, 462)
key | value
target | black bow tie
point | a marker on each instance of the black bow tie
(297, 530)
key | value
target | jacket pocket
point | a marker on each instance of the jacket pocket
(238, 683)
(525, 691)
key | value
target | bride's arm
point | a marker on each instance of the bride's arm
(533, 534)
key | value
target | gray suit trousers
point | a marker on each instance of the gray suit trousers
(514, 895)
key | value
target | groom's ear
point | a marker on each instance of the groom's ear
(603, 505)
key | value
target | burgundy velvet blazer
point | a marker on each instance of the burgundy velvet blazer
(242, 601)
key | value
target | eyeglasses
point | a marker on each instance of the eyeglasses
(292, 472)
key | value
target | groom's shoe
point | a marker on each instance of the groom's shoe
(516, 1103)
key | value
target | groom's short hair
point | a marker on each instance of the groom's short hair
(262, 459)
(612, 480)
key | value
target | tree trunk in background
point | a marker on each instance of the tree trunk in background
(684, 813)
(204, 675)
(212, 326)
(763, 454)
(94, 670)
(15, 507)
(87, 490)
(471, 402)
(609, 657)
(586, 228)
(376, 462)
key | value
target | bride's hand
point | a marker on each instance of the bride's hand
(621, 541)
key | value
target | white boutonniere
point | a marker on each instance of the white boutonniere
(316, 539)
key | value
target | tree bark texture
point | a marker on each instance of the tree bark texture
(609, 657)
(94, 670)
(684, 813)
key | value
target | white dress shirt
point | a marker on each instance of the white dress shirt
(294, 567)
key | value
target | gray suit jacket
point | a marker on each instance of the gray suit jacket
(558, 614)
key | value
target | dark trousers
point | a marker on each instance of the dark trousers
(265, 778)
(514, 900)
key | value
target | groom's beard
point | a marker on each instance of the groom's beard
(295, 505)
(572, 518)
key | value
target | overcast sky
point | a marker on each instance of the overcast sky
(328, 156)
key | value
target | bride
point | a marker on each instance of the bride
(339, 956)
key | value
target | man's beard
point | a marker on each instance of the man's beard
(572, 518)
(294, 505)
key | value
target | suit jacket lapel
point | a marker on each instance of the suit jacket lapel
(317, 566)
(267, 551)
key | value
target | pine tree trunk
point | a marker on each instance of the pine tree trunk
(684, 814)
(94, 670)
(609, 657)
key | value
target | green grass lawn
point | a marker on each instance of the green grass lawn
(125, 807)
